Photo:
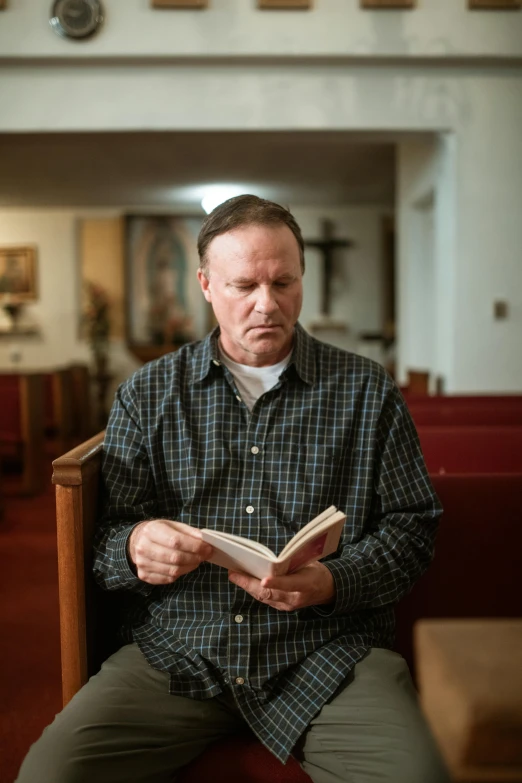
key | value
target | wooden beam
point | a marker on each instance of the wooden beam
(495, 5)
(179, 3)
(285, 4)
(388, 4)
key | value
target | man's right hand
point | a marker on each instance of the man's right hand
(162, 550)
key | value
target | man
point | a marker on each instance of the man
(254, 431)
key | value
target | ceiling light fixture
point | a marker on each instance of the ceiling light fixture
(217, 194)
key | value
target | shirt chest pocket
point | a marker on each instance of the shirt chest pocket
(309, 481)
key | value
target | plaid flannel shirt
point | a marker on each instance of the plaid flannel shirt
(180, 444)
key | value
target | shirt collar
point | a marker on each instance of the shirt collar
(206, 355)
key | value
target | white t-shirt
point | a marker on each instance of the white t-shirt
(253, 382)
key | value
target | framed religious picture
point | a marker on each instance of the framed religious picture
(179, 3)
(388, 4)
(285, 4)
(165, 305)
(495, 5)
(18, 274)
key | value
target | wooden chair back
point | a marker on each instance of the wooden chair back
(22, 426)
(418, 382)
(87, 636)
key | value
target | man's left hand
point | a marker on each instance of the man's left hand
(310, 586)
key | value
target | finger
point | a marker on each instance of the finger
(254, 588)
(170, 564)
(167, 555)
(157, 574)
(175, 536)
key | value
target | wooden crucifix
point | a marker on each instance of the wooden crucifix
(328, 246)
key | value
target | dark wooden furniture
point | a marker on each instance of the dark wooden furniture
(418, 382)
(58, 402)
(83, 426)
(22, 427)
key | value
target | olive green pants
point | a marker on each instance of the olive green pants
(124, 727)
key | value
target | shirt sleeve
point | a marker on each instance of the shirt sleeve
(128, 495)
(398, 544)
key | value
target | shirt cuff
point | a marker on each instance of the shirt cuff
(122, 564)
(348, 585)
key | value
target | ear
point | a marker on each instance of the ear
(205, 285)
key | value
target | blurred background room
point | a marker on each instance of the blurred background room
(393, 131)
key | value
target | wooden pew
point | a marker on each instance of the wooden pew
(22, 427)
(472, 449)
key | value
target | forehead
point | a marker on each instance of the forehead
(254, 245)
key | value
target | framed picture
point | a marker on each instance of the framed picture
(179, 3)
(165, 305)
(18, 274)
(285, 4)
(388, 4)
(495, 5)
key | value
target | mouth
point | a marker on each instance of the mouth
(267, 329)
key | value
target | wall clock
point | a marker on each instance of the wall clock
(76, 18)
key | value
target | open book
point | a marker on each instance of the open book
(315, 540)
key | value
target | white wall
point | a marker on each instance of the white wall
(188, 70)
(438, 29)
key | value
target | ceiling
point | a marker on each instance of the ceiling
(175, 168)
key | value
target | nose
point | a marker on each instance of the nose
(266, 301)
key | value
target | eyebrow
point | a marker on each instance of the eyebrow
(249, 280)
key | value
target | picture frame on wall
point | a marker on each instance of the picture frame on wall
(165, 305)
(388, 4)
(18, 274)
(494, 5)
(182, 4)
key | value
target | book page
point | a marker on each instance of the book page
(317, 539)
(228, 542)
(322, 522)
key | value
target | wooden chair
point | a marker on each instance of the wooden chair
(89, 616)
(22, 426)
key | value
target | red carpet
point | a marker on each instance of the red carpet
(30, 689)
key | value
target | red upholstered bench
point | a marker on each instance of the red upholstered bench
(472, 449)
(478, 555)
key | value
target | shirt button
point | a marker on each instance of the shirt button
(215, 361)
(250, 509)
(254, 450)
(238, 398)
(240, 680)
(238, 618)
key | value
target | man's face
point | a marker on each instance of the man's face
(254, 283)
